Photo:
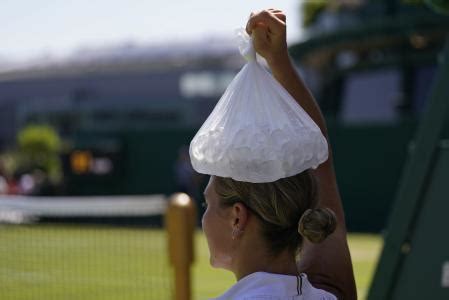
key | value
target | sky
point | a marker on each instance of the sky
(32, 28)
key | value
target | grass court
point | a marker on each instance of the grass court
(97, 262)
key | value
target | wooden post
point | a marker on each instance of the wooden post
(180, 223)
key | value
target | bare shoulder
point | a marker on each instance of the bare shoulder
(328, 266)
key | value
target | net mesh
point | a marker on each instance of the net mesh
(83, 248)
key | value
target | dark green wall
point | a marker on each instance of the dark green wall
(145, 167)
(368, 161)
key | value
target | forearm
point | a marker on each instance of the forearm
(284, 72)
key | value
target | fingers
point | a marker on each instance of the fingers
(274, 10)
(272, 19)
(260, 34)
(278, 13)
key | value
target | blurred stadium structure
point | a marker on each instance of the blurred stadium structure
(371, 65)
(127, 111)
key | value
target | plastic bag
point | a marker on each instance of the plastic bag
(257, 132)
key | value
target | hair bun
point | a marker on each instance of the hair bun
(317, 224)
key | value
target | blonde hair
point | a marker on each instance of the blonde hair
(287, 209)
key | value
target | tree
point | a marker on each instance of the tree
(39, 146)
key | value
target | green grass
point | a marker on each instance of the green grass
(73, 262)
(365, 250)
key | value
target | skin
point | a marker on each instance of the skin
(328, 264)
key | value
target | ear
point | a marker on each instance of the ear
(239, 216)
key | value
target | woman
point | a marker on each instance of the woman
(258, 230)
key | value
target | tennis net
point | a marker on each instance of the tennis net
(84, 248)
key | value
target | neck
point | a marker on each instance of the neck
(258, 261)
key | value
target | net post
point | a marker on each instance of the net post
(180, 223)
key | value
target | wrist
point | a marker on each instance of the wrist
(279, 61)
(281, 67)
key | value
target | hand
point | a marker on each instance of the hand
(268, 29)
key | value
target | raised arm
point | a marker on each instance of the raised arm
(328, 265)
